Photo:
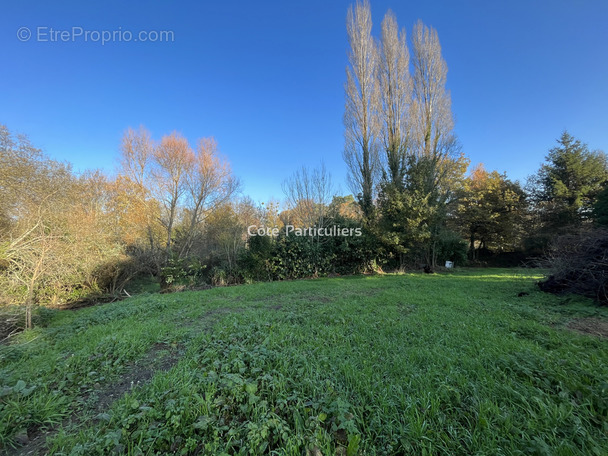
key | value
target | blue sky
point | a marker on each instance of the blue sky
(266, 79)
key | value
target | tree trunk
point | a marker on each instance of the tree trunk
(472, 246)
(28, 312)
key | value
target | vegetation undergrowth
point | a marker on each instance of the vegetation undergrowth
(442, 364)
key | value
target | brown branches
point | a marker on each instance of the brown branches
(579, 264)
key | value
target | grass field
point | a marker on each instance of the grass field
(444, 364)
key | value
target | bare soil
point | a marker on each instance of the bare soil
(590, 325)
(137, 373)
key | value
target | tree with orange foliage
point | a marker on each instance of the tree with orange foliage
(173, 157)
(173, 185)
(490, 211)
(209, 185)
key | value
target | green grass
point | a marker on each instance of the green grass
(143, 284)
(446, 364)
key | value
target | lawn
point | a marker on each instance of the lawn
(442, 364)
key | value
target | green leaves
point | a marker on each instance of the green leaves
(568, 183)
(600, 209)
(20, 390)
(410, 364)
(251, 388)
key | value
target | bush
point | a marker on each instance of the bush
(301, 256)
(355, 254)
(295, 257)
(181, 273)
(579, 264)
(222, 276)
(254, 261)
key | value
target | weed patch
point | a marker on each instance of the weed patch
(452, 364)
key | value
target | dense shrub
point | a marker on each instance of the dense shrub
(302, 256)
(222, 276)
(181, 273)
(254, 261)
(579, 264)
(286, 257)
(355, 254)
(291, 257)
(600, 209)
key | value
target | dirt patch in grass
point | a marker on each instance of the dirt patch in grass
(160, 358)
(139, 373)
(207, 320)
(594, 326)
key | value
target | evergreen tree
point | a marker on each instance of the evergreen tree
(567, 184)
(600, 210)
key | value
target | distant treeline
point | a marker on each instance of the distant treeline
(175, 212)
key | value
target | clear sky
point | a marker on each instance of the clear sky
(266, 78)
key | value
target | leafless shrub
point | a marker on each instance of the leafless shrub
(579, 264)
